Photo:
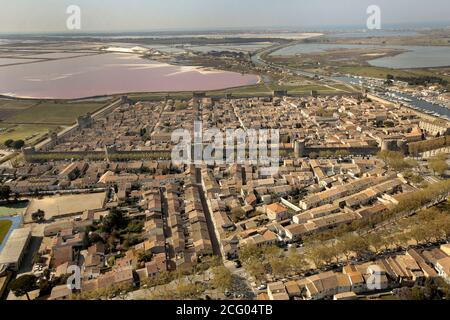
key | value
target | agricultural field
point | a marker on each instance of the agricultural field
(29, 133)
(378, 72)
(30, 120)
(49, 112)
(4, 228)
(9, 108)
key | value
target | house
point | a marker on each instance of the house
(315, 213)
(277, 212)
(428, 271)
(118, 277)
(446, 248)
(61, 255)
(251, 199)
(295, 231)
(157, 265)
(325, 283)
(14, 250)
(277, 291)
(376, 278)
(443, 268)
(293, 289)
(61, 292)
(266, 238)
(358, 284)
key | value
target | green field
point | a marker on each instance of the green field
(377, 72)
(27, 132)
(53, 113)
(4, 228)
(30, 120)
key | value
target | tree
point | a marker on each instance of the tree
(255, 268)
(342, 153)
(38, 216)
(237, 214)
(387, 241)
(222, 278)
(314, 256)
(114, 221)
(438, 165)
(188, 290)
(296, 261)
(444, 226)
(18, 144)
(8, 143)
(249, 251)
(434, 230)
(375, 241)
(401, 239)
(351, 243)
(394, 159)
(418, 234)
(320, 255)
(5, 192)
(313, 155)
(24, 284)
(279, 266)
(145, 257)
(325, 154)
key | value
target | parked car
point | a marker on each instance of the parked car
(261, 287)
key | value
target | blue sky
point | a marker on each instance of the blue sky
(133, 15)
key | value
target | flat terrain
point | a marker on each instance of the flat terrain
(258, 90)
(49, 112)
(4, 228)
(30, 120)
(30, 133)
(378, 72)
(57, 206)
(9, 108)
(12, 209)
(354, 62)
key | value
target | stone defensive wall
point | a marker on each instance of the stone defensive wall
(31, 155)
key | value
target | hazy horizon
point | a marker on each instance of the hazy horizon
(49, 16)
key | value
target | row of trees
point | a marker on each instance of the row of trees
(415, 200)
(15, 144)
(438, 164)
(415, 148)
(408, 203)
(181, 282)
(259, 261)
(329, 154)
(428, 225)
(5, 192)
(396, 160)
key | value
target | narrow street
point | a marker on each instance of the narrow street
(211, 229)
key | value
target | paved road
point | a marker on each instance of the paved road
(211, 229)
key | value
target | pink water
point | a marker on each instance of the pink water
(110, 73)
